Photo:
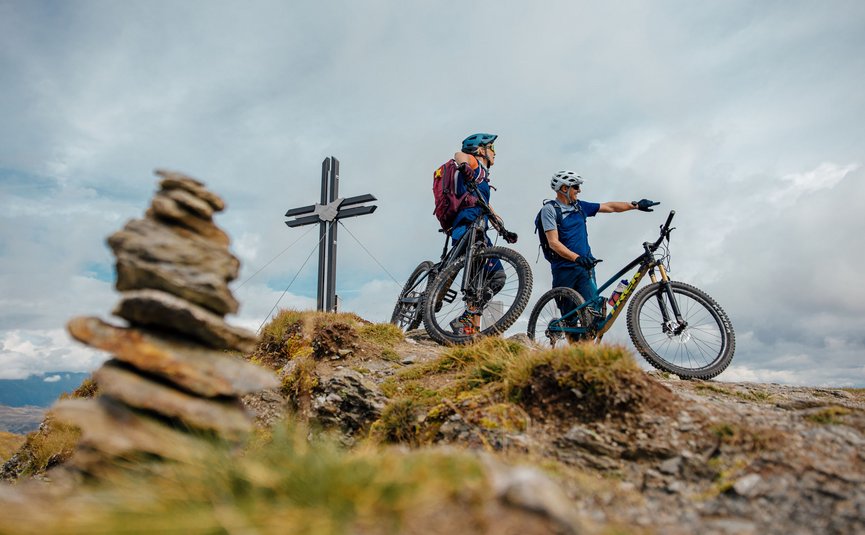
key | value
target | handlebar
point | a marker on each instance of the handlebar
(669, 219)
(665, 233)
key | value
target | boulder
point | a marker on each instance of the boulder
(346, 401)
(529, 489)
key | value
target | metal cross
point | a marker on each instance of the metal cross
(326, 214)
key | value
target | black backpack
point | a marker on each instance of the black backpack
(549, 254)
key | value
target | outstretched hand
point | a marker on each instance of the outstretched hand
(644, 205)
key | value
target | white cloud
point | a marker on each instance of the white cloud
(27, 352)
(746, 120)
(52, 379)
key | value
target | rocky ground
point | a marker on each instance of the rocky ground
(704, 457)
(700, 457)
(327, 423)
(676, 457)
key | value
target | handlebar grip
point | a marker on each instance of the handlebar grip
(669, 219)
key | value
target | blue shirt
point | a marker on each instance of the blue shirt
(573, 232)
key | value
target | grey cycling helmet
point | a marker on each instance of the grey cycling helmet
(565, 178)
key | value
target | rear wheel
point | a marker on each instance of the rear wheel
(407, 312)
(547, 325)
(500, 295)
(700, 347)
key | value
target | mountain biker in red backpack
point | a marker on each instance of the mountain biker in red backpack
(474, 161)
(563, 222)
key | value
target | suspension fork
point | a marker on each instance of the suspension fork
(667, 288)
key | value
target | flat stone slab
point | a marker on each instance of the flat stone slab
(107, 426)
(166, 206)
(198, 369)
(153, 255)
(153, 308)
(175, 180)
(225, 417)
(188, 202)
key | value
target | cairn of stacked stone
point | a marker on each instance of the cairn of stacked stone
(174, 377)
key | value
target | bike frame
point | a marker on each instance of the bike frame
(465, 246)
(647, 264)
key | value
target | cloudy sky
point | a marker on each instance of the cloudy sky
(747, 118)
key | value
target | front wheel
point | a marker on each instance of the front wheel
(554, 318)
(499, 290)
(699, 347)
(407, 312)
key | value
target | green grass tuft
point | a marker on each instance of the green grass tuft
(399, 421)
(291, 484)
(385, 335)
(829, 416)
(594, 379)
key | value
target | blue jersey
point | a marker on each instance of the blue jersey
(572, 232)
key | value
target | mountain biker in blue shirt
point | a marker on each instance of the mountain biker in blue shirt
(574, 265)
(474, 160)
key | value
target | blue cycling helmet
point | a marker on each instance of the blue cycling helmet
(472, 143)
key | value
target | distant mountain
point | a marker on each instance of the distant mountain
(20, 420)
(38, 390)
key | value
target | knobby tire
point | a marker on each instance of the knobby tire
(408, 316)
(703, 350)
(547, 310)
(452, 274)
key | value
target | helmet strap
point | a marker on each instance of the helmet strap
(574, 202)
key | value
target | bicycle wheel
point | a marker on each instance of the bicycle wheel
(546, 323)
(700, 348)
(444, 301)
(407, 311)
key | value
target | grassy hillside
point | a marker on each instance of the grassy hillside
(9, 444)
(375, 432)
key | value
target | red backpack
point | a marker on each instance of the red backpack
(447, 203)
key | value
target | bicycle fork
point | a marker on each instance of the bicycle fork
(670, 327)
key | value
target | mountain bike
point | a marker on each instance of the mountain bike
(676, 327)
(494, 282)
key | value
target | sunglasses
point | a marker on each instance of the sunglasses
(491, 149)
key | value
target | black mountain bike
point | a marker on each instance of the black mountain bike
(676, 327)
(494, 281)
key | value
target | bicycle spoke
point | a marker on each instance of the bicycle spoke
(695, 344)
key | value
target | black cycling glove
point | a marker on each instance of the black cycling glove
(586, 262)
(644, 205)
